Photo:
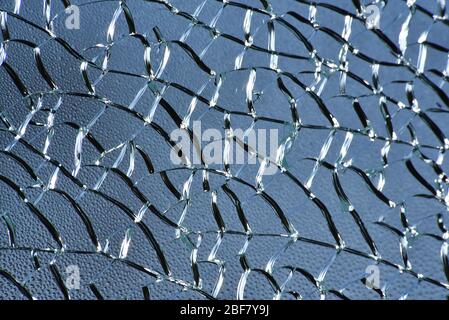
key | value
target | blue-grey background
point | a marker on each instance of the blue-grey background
(115, 279)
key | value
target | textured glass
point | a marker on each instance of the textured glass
(93, 206)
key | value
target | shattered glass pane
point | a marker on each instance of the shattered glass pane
(354, 93)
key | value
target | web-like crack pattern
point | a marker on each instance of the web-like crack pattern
(357, 208)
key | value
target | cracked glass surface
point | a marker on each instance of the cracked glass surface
(87, 183)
